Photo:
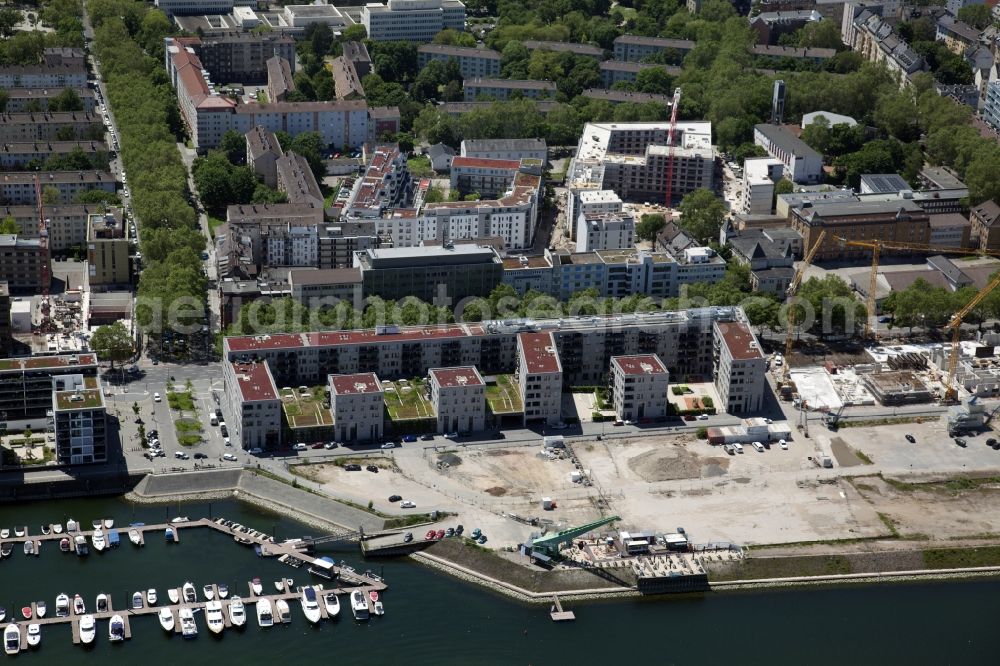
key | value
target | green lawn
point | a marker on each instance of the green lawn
(181, 401)
(407, 401)
(504, 397)
(214, 222)
(306, 409)
(420, 166)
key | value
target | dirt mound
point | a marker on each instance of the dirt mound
(669, 464)
(496, 491)
(450, 458)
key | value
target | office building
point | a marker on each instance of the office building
(639, 387)
(254, 406)
(26, 383)
(605, 231)
(411, 20)
(540, 378)
(314, 287)
(430, 273)
(503, 89)
(357, 404)
(899, 220)
(802, 163)
(459, 399)
(760, 175)
(79, 417)
(196, 7)
(473, 63)
(506, 149)
(107, 252)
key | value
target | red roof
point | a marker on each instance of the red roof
(255, 342)
(47, 362)
(451, 377)
(391, 334)
(362, 382)
(255, 382)
(539, 352)
(740, 341)
(484, 163)
(647, 364)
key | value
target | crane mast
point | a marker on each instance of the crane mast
(675, 105)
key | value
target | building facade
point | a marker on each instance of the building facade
(108, 252)
(18, 187)
(739, 368)
(254, 405)
(473, 63)
(540, 378)
(358, 404)
(503, 89)
(605, 231)
(431, 273)
(639, 387)
(24, 264)
(26, 383)
(79, 420)
(802, 163)
(459, 399)
(411, 20)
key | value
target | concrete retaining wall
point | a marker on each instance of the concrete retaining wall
(188, 483)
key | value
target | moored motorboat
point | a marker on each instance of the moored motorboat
(72, 525)
(379, 608)
(62, 605)
(80, 545)
(97, 524)
(166, 617)
(265, 616)
(88, 629)
(102, 603)
(151, 596)
(114, 540)
(20, 531)
(284, 612)
(257, 586)
(173, 595)
(188, 627)
(26, 612)
(190, 596)
(5, 533)
(359, 605)
(29, 547)
(65, 545)
(134, 536)
(137, 600)
(78, 606)
(169, 534)
(116, 629)
(208, 592)
(12, 639)
(46, 530)
(40, 609)
(180, 519)
(6, 549)
(97, 538)
(213, 616)
(57, 528)
(109, 523)
(373, 595)
(310, 604)
(332, 604)
(3, 614)
(237, 612)
(34, 634)
(223, 591)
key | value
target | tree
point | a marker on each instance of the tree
(784, 186)
(112, 343)
(649, 226)
(234, 145)
(50, 195)
(67, 100)
(135, 408)
(978, 16)
(9, 226)
(702, 214)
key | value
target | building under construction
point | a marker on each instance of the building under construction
(897, 387)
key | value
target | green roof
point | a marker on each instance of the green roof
(88, 399)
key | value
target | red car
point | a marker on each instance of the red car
(430, 535)
(439, 535)
(317, 445)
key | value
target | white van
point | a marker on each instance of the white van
(214, 420)
(758, 446)
(738, 447)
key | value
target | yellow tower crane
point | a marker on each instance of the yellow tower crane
(793, 287)
(955, 326)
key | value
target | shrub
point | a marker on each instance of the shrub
(702, 433)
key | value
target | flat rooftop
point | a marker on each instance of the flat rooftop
(362, 382)
(740, 341)
(539, 352)
(644, 364)
(47, 362)
(452, 377)
(255, 382)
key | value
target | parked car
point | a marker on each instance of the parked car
(408, 537)
(389, 445)
(689, 418)
(911, 439)
(991, 441)
(738, 447)
(181, 455)
(430, 535)
(783, 444)
(440, 534)
(428, 437)
(229, 456)
(961, 442)
(618, 422)
(452, 435)
(299, 447)
(200, 456)
(317, 445)
(256, 451)
(395, 498)
(156, 397)
(702, 417)
(407, 504)
(330, 445)
(227, 441)
(372, 468)
(353, 467)
(409, 438)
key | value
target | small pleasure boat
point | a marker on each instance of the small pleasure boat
(190, 596)
(188, 627)
(78, 606)
(65, 545)
(134, 536)
(180, 519)
(97, 524)
(40, 609)
(97, 538)
(62, 605)
(29, 547)
(332, 604)
(72, 525)
(237, 612)
(208, 592)
(80, 545)
(379, 608)
(173, 595)
(102, 603)
(213, 616)
(223, 591)
(109, 523)
(284, 612)
(310, 604)
(6, 549)
(169, 534)
(88, 629)
(359, 605)
(373, 595)
(5, 533)
(3, 614)
(166, 620)
(116, 629)
(12, 639)
(20, 531)
(257, 587)
(34, 634)
(57, 528)
(265, 616)
(26, 612)
(137, 600)
(46, 530)
(151, 596)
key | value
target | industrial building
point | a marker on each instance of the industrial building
(639, 387)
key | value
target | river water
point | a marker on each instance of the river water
(434, 619)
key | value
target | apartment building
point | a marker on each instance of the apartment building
(613, 71)
(739, 368)
(357, 403)
(19, 187)
(814, 55)
(636, 48)
(540, 378)
(54, 76)
(985, 219)
(26, 383)
(411, 20)
(587, 50)
(314, 287)
(604, 231)
(486, 177)
(296, 179)
(357, 54)
(19, 156)
(473, 63)
(107, 252)
(254, 405)
(79, 417)
(263, 151)
(865, 31)
(802, 163)
(991, 105)
(459, 399)
(598, 202)
(66, 225)
(639, 387)
(631, 160)
(503, 89)
(258, 236)
(506, 149)
(46, 127)
(5, 323)
(451, 272)
(770, 254)
(626, 96)
(386, 184)
(760, 174)
(240, 56)
(279, 79)
(901, 220)
(28, 100)
(24, 264)
(346, 82)
(196, 7)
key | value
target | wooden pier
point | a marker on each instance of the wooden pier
(557, 612)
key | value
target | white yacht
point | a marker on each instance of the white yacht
(174, 595)
(284, 612)
(332, 603)
(166, 620)
(208, 592)
(5, 533)
(88, 629)
(258, 588)
(12, 639)
(134, 536)
(137, 600)
(80, 545)
(116, 629)
(34, 634)
(223, 591)
(213, 616)
(237, 612)
(109, 523)
(102, 603)
(20, 531)
(57, 528)
(78, 606)
(40, 609)
(265, 616)
(359, 605)
(190, 596)
(72, 525)
(188, 627)
(151, 596)
(97, 538)
(310, 604)
(62, 605)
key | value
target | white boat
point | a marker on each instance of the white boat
(137, 600)
(166, 620)
(180, 519)
(265, 616)
(5, 533)
(151, 596)
(208, 592)
(88, 629)
(46, 530)
(173, 595)
(62, 605)
(379, 608)
(78, 606)
(359, 605)
(109, 523)
(40, 609)
(3, 614)
(97, 538)
(12, 639)
(57, 528)
(332, 604)
(80, 545)
(72, 525)
(237, 612)
(213, 616)
(34, 634)
(134, 536)
(98, 524)
(20, 531)
(310, 604)
(29, 547)
(190, 596)
(102, 603)
(284, 612)
(116, 629)
(223, 591)
(257, 587)
(188, 627)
